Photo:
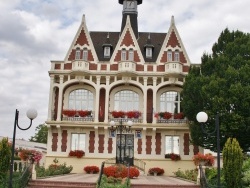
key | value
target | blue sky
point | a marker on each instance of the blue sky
(33, 32)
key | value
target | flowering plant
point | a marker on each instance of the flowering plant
(173, 156)
(206, 159)
(121, 171)
(69, 113)
(91, 169)
(133, 114)
(164, 115)
(156, 170)
(32, 155)
(84, 113)
(118, 114)
(179, 115)
(77, 153)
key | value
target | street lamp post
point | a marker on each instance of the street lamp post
(31, 114)
(121, 128)
(202, 118)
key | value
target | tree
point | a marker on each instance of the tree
(232, 163)
(5, 156)
(41, 134)
(221, 85)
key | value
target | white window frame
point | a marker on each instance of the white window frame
(78, 141)
(123, 55)
(131, 55)
(126, 100)
(177, 56)
(78, 54)
(106, 51)
(170, 101)
(148, 52)
(172, 144)
(81, 99)
(85, 54)
(169, 56)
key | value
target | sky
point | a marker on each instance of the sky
(34, 32)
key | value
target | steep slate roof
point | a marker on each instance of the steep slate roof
(100, 38)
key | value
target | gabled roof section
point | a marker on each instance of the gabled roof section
(173, 42)
(127, 41)
(82, 40)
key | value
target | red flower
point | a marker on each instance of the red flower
(91, 169)
(77, 153)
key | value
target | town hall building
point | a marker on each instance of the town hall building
(116, 97)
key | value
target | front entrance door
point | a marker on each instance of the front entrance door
(125, 149)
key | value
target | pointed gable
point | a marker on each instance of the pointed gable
(84, 44)
(171, 44)
(127, 41)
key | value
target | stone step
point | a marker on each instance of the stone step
(163, 186)
(59, 184)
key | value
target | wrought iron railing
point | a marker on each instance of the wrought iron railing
(78, 119)
(203, 179)
(20, 182)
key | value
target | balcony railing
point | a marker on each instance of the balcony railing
(80, 65)
(172, 120)
(173, 67)
(89, 119)
(127, 66)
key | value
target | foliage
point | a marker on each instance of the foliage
(91, 169)
(77, 153)
(118, 114)
(120, 171)
(246, 173)
(157, 170)
(5, 156)
(173, 156)
(111, 182)
(164, 115)
(221, 85)
(69, 112)
(187, 174)
(133, 114)
(207, 159)
(179, 115)
(232, 163)
(33, 155)
(41, 134)
(53, 169)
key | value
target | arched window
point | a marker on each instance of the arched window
(131, 55)
(123, 55)
(176, 56)
(169, 56)
(170, 102)
(126, 100)
(78, 54)
(81, 99)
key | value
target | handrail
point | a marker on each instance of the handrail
(203, 179)
(140, 164)
(100, 175)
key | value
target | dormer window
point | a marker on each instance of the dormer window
(106, 51)
(85, 54)
(131, 55)
(176, 56)
(77, 54)
(123, 55)
(169, 56)
(149, 52)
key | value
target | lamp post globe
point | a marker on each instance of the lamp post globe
(31, 113)
(202, 117)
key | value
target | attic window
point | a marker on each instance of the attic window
(107, 51)
(78, 54)
(85, 54)
(131, 55)
(169, 56)
(176, 56)
(148, 52)
(123, 55)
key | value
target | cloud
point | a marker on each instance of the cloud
(33, 32)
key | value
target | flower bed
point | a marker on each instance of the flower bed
(207, 159)
(91, 169)
(121, 171)
(156, 171)
(77, 153)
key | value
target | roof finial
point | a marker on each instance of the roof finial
(172, 20)
(148, 35)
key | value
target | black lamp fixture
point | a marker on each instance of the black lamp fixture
(202, 118)
(31, 114)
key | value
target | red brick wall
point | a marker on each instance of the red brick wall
(139, 146)
(110, 143)
(173, 42)
(149, 106)
(64, 141)
(101, 143)
(102, 104)
(186, 144)
(139, 68)
(91, 141)
(158, 143)
(54, 141)
(82, 39)
(161, 68)
(57, 66)
(114, 67)
(150, 68)
(68, 66)
(104, 67)
(148, 144)
(92, 66)
(127, 40)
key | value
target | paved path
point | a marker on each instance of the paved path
(142, 179)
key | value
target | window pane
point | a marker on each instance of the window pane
(170, 102)
(81, 99)
(78, 53)
(85, 55)
(172, 144)
(126, 100)
(169, 56)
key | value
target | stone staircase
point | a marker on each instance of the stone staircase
(163, 186)
(59, 184)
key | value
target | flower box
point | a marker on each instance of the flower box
(84, 113)
(118, 114)
(203, 159)
(164, 115)
(179, 115)
(76, 153)
(173, 156)
(133, 114)
(69, 113)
